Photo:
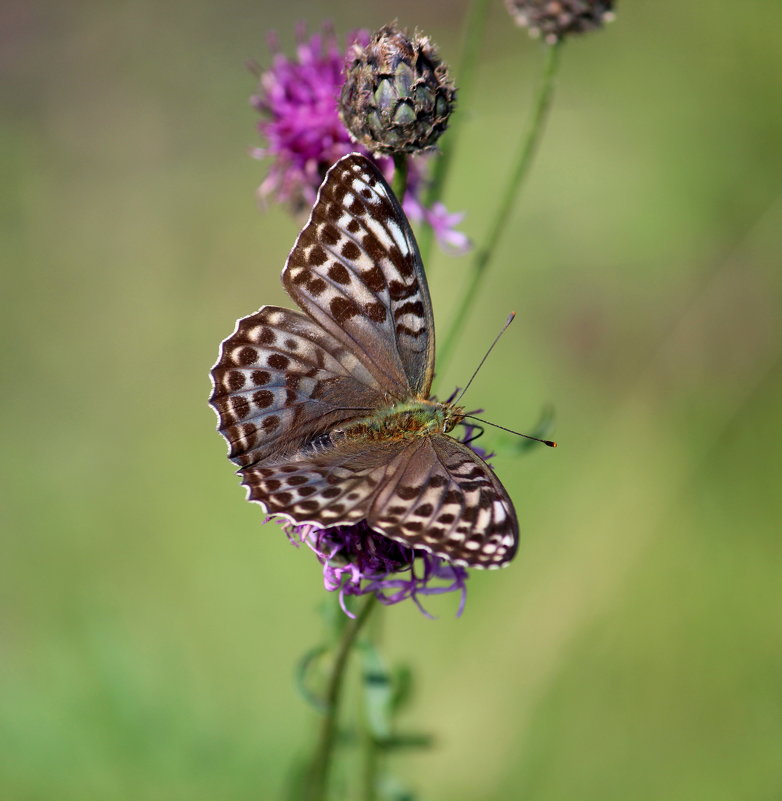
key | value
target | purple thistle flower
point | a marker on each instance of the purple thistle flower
(358, 560)
(298, 100)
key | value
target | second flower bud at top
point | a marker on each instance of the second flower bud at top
(397, 96)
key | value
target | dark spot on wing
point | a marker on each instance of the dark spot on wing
(235, 380)
(342, 309)
(263, 398)
(317, 256)
(301, 276)
(373, 247)
(403, 329)
(240, 407)
(376, 311)
(339, 274)
(411, 307)
(270, 423)
(400, 291)
(350, 250)
(267, 336)
(402, 263)
(246, 356)
(329, 234)
(278, 361)
(374, 279)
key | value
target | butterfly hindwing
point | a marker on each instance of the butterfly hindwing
(281, 378)
(332, 487)
(433, 494)
(442, 497)
(356, 270)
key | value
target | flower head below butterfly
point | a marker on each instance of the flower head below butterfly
(327, 411)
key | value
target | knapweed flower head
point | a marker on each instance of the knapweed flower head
(397, 96)
(554, 19)
(298, 99)
(357, 560)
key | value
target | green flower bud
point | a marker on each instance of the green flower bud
(397, 96)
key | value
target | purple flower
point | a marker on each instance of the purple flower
(358, 560)
(298, 102)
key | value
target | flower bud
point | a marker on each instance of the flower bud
(555, 19)
(397, 96)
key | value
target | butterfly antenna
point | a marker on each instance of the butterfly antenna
(486, 355)
(549, 442)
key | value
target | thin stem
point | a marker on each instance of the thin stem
(474, 26)
(371, 751)
(399, 184)
(370, 768)
(318, 781)
(483, 255)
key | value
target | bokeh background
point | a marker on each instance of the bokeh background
(150, 624)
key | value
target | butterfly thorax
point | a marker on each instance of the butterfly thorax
(403, 421)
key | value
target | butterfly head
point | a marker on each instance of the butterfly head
(452, 415)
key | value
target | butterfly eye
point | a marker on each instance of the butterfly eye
(453, 417)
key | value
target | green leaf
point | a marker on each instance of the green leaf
(391, 789)
(376, 684)
(401, 742)
(303, 677)
(402, 687)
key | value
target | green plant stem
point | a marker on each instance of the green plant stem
(319, 774)
(400, 176)
(370, 750)
(474, 26)
(369, 768)
(519, 172)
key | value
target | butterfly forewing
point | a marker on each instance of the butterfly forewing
(356, 270)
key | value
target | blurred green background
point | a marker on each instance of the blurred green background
(150, 624)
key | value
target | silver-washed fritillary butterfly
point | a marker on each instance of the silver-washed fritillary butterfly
(327, 414)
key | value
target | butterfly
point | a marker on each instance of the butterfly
(326, 410)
